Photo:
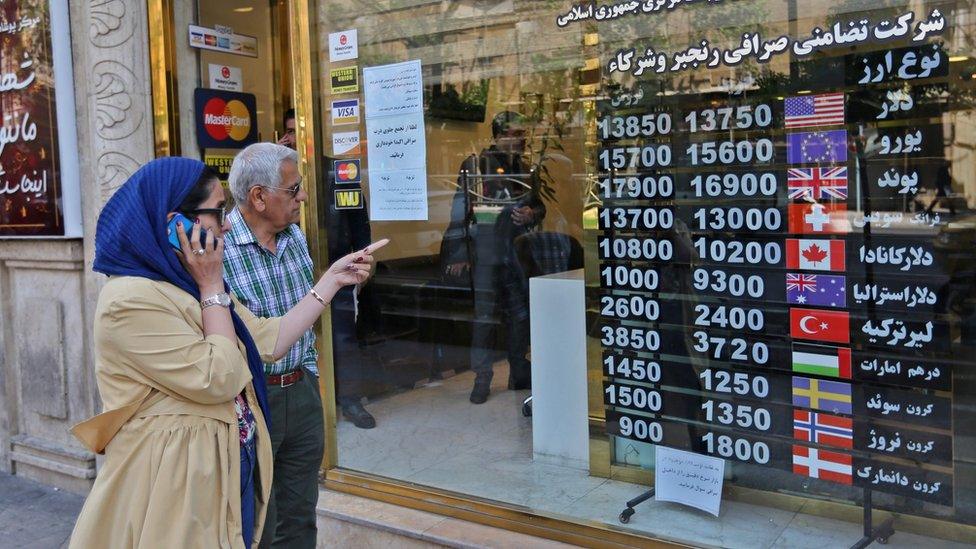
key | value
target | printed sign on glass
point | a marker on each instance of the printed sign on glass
(225, 120)
(345, 143)
(345, 111)
(344, 79)
(343, 45)
(224, 42)
(225, 77)
(346, 171)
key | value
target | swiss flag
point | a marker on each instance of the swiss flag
(818, 325)
(815, 255)
(818, 218)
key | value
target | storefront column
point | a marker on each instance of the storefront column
(48, 287)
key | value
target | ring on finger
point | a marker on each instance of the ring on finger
(201, 251)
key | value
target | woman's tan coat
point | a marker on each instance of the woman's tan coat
(171, 474)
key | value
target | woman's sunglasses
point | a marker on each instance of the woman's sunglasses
(221, 213)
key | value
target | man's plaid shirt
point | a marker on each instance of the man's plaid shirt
(269, 285)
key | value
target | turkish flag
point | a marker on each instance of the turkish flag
(818, 218)
(818, 325)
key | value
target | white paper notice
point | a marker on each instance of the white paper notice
(398, 195)
(688, 478)
(393, 89)
(396, 142)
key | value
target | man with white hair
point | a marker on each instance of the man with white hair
(269, 269)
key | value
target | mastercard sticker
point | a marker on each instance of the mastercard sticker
(346, 171)
(225, 119)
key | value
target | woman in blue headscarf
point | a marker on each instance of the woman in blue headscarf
(179, 370)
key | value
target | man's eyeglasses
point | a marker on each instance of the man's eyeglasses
(221, 213)
(292, 191)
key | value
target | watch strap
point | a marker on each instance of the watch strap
(222, 299)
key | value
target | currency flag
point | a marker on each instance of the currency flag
(822, 394)
(823, 428)
(820, 360)
(819, 290)
(823, 464)
(804, 111)
(817, 183)
(820, 325)
(818, 218)
(829, 147)
(815, 255)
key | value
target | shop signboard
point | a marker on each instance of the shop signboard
(764, 294)
(225, 120)
(31, 191)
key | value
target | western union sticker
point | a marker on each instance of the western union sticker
(345, 79)
(220, 164)
(349, 199)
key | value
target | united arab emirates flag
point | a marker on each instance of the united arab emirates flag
(820, 360)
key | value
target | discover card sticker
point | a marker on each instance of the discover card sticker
(345, 143)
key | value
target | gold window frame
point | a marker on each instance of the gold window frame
(301, 26)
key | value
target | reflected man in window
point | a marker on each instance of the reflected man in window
(348, 231)
(493, 206)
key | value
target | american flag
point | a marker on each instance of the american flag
(814, 110)
(817, 183)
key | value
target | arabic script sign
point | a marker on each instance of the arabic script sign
(30, 191)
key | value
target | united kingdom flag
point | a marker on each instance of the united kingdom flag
(817, 183)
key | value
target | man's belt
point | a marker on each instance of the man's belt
(284, 380)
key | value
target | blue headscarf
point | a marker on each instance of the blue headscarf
(131, 240)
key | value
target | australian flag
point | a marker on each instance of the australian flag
(816, 289)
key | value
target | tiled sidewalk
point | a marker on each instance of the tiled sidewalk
(35, 516)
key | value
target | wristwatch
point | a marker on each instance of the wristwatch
(222, 299)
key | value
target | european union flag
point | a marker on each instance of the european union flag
(817, 147)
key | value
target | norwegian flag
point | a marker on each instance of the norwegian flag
(823, 428)
(817, 183)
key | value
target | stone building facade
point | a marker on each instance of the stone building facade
(47, 288)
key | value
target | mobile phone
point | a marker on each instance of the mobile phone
(174, 237)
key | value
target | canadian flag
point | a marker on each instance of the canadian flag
(815, 254)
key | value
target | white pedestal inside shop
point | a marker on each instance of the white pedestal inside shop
(560, 432)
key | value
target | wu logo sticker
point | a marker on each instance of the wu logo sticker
(351, 199)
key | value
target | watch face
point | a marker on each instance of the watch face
(223, 300)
